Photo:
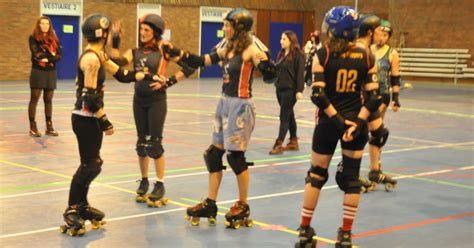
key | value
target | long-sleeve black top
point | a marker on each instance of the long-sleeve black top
(291, 73)
(38, 52)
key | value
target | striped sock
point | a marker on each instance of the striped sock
(306, 216)
(349, 216)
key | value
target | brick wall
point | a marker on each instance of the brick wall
(428, 23)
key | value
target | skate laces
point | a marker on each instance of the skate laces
(238, 206)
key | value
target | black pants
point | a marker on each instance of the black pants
(287, 100)
(150, 117)
(89, 138)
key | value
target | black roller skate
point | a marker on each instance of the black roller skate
(344, 239)
(379, 177)
(305, 236)
(205, 209)
(238, 215)
(74, 223)
(142, 190)
(94, 215)
(156, 199)
(367, 185)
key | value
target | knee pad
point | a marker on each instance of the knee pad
(379, 137)
(141, 146)
(317, 182)
(347, 175)
(237, 161)
(154, 149)
(213, 159)
(88, 171)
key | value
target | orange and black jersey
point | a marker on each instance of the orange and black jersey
(148, 60)
(238, 77)
(80, 84)
(345, 75)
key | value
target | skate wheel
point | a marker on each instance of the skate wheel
(79, 232)
(363, 189)
(389, 187)
(164, 201)
(63, 228)
(227, 223)
(195, 221)
(236, 225)
(96, 224)
(212, 221)
(141, 198)
(187, 217)
(248, 223)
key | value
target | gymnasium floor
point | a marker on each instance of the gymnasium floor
(430, 152)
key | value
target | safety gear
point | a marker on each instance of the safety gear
(368, 22)
(241, 19)
(386, 27)
(95, 27)
(343, 22)
(156, 23)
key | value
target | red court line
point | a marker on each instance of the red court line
(416, 224)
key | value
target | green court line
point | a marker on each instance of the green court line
(423, 178)
(436, 112)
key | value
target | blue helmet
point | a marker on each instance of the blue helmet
(343, 22)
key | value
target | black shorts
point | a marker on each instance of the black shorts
(326, 135)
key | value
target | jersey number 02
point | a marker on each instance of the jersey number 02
(345, 80)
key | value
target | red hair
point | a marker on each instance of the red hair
(49, 38)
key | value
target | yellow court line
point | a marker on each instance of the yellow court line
(133, 192)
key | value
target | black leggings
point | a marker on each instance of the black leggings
(48, 103)
(287, 100)
(89, 138)
(150, 118)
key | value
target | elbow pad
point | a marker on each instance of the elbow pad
(214, 57)
(170, 82)
(319, 77)
(186, 70)
(395, 80)
(125, 76)
(319, 98)
(373, 101)
(268, 70)
(193, 60)
(92, 99)
(171, 52)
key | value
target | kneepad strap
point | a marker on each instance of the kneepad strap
(347, 176)
(379, 137)
(237, 161)
(213, 159)
(317, 182)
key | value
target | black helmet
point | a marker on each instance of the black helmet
(240, 18)
(95, 27)
(156, 22)
(368, 22)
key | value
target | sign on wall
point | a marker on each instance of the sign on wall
(213, 14)
(61, 7)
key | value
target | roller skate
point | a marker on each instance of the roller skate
(343, 239)
(379, 177)
(205, 209)
(94, 215)
(74, 223)
(292, 145)
(142, 190)
(367, 185)
(238, 215)
(156, 199)
(305, 236)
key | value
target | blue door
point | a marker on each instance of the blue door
(211, 34)
(67, 30)
(276, 29)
